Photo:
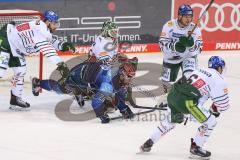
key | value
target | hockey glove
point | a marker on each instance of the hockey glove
(214, 111)
(104, 119)
(66, 46)
(179, 47)
(63, 69)
(186, 41)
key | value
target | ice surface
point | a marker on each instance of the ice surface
(39, 135)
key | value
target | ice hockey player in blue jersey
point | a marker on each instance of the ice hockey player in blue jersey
(106, 84)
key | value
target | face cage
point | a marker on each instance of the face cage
(114, 33)
(126, 76)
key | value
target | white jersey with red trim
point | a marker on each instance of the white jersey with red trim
(211, 84)
(33, 37)
(104, 48)
(170, 34)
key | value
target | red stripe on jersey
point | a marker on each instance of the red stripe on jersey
(226, 106)
(47, 48)
(22, 27)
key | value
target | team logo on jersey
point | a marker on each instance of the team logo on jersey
(199, 83)
(4, 60)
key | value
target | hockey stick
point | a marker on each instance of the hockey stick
(135, 114)
(134, 105)
(161, 107)
(199, 19)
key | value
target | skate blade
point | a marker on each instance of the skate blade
(17, 108)
(193, 156)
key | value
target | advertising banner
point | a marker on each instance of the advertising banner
(140, 22)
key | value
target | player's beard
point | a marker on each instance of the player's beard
(50, 29)
(224, 71)
(183, 24)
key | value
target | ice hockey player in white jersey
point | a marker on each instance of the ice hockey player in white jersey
(105, 46)
(188, 96)
(18, 41)
(180, 50)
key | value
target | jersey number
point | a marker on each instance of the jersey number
(198, 84)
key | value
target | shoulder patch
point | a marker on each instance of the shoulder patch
(170, 23)
(225, 90)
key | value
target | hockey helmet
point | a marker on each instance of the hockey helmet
(185, 10)
(51, 16)
(216, 62)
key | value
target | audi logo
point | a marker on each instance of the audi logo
(219, 17)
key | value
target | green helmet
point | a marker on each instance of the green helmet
(110, 29)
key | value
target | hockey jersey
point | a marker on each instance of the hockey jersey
(170, 34)
(31, 38)
(211, 84)
(104, 48)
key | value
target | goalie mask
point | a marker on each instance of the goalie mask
(110, 29)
